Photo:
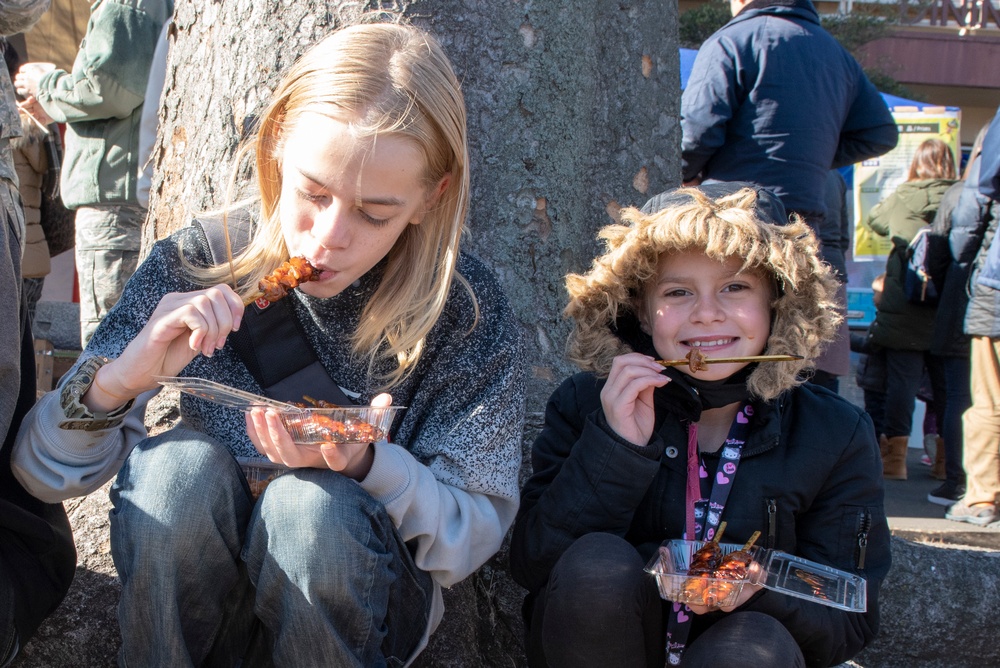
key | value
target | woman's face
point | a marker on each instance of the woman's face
(697, 302)
(345, 201)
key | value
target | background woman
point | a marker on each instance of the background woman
(903, 329)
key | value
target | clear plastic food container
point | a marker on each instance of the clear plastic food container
(260, 472)
(771, 569)
(672, 562)
(321, 426)
(306, 425)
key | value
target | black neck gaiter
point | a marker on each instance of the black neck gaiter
(686, 396)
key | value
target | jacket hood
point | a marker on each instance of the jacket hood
(603, 302)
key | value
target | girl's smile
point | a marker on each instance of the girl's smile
(695, 301)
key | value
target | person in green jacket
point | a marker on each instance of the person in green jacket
(901, 328)
(100, 101)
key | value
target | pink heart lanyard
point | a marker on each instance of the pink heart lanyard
(705, 501)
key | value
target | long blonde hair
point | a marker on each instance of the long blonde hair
(804, 314)
(387, 78)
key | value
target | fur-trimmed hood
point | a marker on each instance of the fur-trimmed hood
(603, 301)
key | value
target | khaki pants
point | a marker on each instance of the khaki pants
(981, 424)
(107, 253)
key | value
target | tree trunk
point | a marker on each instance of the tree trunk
(573, 113)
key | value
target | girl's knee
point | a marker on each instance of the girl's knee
(598, 571)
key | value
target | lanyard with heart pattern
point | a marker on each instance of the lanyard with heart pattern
(705, 502)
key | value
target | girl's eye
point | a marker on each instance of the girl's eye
(377, 222)
(737, 287)
(309, 197)
(676, 292)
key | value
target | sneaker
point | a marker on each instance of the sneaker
(980, 514)
(926, 460)
(946, 494)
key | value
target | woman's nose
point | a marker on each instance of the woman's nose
(330, 226)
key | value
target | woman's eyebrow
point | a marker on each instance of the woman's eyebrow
(376, 201)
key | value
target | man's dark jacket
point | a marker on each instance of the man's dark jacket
(774, 99)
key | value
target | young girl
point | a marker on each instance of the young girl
(362, 167)
(632, 454)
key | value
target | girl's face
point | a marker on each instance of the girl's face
(345, 201)
(697, 302)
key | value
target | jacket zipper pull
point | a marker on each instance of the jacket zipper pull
(772, 522)
(866, 520)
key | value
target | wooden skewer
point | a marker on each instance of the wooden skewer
(731, 360)
(753, 539)
(718, 534)
(37, 122)
(252, 298)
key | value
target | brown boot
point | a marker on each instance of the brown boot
(894, 458)
(937, 471)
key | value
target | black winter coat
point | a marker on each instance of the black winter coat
(810, 480)
(950, 276)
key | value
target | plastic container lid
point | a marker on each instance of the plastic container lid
(811, 581)
(771, 569)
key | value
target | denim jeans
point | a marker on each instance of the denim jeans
(313, 573)
(600, 608)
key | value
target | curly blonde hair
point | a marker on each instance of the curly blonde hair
(804, 308)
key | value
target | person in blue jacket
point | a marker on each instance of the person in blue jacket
(775, 100)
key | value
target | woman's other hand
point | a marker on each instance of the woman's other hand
(269, 436)
(627, 397)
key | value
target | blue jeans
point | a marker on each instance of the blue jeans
(313, 573)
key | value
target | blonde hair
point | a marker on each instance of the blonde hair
(933, 160)
(384, 78)
(804, 310)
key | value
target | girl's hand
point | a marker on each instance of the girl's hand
(627, 397)
(269, 436)
(183, 325)
(745, 595)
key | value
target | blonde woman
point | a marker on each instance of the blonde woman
(632, 454)
(362, 167)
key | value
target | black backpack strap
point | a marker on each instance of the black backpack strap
(270, 340)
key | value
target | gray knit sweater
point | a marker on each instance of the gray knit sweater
(449, 477)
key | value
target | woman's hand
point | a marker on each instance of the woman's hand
(269, 436)
(183, 325)
(627, 397)
(745, 595)
(28, 76)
